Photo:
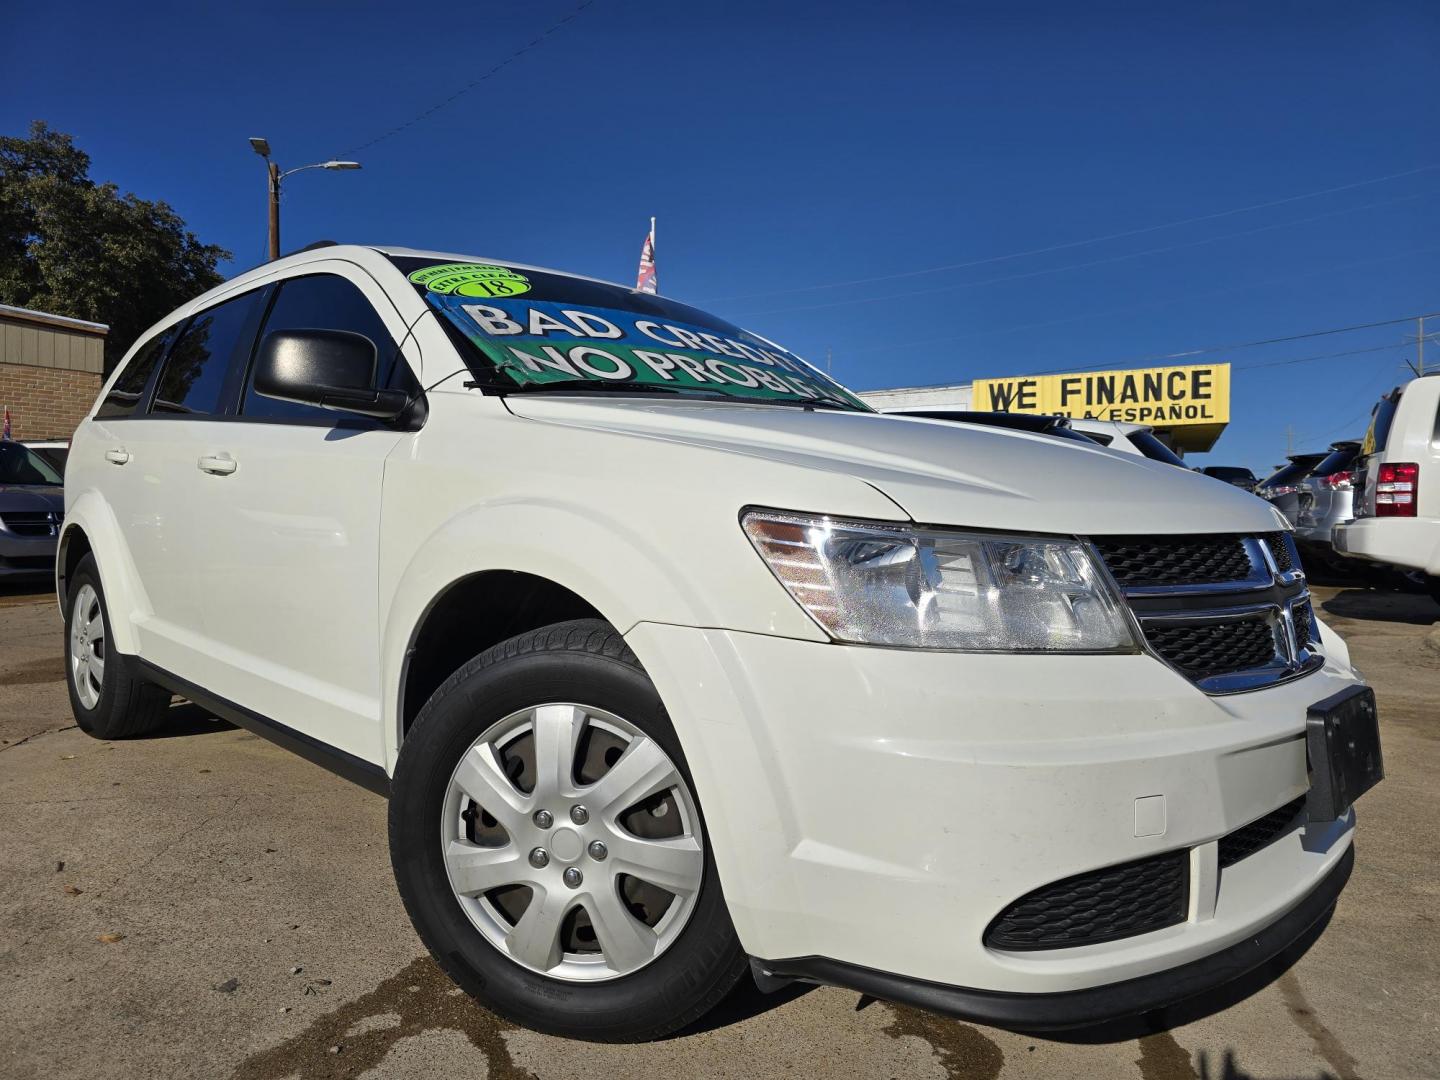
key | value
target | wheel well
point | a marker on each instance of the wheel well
(473, 614)
(76, 547)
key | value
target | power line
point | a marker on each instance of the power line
(490, 74)
(1236, 347)
(1080, 243)
(1108, 312)
(1089, 263)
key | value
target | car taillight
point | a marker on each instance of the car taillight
(1395, 489)
(1340, 481)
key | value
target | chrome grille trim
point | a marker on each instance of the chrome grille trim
(1267, 591)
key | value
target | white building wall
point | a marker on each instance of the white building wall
(919, 397)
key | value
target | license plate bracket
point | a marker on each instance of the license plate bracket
(1342, 740)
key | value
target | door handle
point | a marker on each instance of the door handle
(217, 464)
(117, 456)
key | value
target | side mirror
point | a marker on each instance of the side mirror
(333, 369)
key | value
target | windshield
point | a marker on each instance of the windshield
(525, 330)
(1154, 449)
(21, 465)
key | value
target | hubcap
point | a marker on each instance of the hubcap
(87, 646)
(519, 882)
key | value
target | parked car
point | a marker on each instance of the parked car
(52, 450)
(32, 504)
(1325, 500)
(1128, 439)
(1056, 426)
(618, 601)
(1235, 475)
(1282, 487)
(1397, 514)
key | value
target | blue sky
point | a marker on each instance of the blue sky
(785, 146)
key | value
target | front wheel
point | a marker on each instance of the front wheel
(549, 846)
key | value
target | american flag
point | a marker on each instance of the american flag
(646, 282)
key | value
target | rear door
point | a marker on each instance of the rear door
(289, 532)
(153, 449)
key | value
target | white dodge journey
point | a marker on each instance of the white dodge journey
(680, 665)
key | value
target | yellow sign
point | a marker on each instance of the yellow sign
(1165, 397)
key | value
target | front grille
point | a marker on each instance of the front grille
(1101, 905)
(30, 522)
(1217, 608)
(1202, 650)
(1282, 550)
(1139, 561)
(1248, 839)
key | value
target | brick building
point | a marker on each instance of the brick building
(51, 368)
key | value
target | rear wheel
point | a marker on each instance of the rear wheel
(109, 698)
(550, 849)
(1432, 586)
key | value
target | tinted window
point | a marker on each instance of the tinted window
(1296, 470)
(1154, 449)
(1228, 473)
(1336, 461)
(322, 302)
(125, 395)
(1381, 420)
(196, 372)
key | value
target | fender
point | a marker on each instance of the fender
(125, 596)
(618, 569)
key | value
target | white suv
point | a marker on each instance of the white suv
(680, 665)
(1397, 502)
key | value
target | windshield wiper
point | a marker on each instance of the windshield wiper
(634, 389)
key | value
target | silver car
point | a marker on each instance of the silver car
(32, 505)
(1326, 499)
(1282, 487)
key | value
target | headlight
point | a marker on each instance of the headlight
(919, 588)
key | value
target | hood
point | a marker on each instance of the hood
(32, 497)
(938, 472)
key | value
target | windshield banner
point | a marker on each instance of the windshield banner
(539, 341)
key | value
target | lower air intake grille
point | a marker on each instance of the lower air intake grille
(1214, 648)
(1102, 905)
(1139, 561)
(1248, 839)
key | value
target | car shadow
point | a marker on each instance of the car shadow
(745, 1002)
(1378, 605)
(186, 719)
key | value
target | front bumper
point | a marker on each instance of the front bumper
(1413, 543)
(26, 556)
(877, 807)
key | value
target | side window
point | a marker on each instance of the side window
(324, 302)
(195, 376)
(125, 394)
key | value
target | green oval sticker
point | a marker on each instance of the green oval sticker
(472, 279)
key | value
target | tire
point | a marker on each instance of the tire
(1432, 586)
(119, 703)
(573, 677)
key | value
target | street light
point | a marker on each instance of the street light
(272, 170)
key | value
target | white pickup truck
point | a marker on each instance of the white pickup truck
(680, 665)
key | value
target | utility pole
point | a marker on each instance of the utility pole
(1420, 344)
(1289, 439)
(274, 176)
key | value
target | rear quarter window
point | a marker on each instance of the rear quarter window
(129, 388)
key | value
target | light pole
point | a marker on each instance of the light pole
(274, 176)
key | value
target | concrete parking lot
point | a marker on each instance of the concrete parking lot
(201, 904)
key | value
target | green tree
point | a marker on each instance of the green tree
(73, 247)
